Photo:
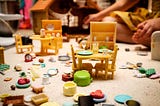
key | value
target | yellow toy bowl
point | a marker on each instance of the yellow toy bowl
(69, 88)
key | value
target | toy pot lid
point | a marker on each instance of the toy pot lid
(131, 103)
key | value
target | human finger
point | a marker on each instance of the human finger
(147, 30)
(87, 19)
(138, 33)
(144, 30)
(141, 25)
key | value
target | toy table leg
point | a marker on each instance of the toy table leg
(42, 49)
(106, 68)
(79, 63)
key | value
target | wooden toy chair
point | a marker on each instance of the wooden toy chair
(51, 45)
(111, 66)
(85, 66)
(19, 46)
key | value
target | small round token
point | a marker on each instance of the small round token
(67, 104)
(131, 103)
(139, 64)
(100, 100)
(52, 71)
(122, 98)
(142, 53)
(7, 79)
(127, 49)
(13, 87)
(28, 98)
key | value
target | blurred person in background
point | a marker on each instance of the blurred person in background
(131, 16)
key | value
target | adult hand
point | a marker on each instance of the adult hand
(92, 17)
(145, 30)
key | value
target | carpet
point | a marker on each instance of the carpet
(144, 90)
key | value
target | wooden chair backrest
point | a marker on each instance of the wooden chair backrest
(104, 33)
(57, 24)
(57, 28)
(73, 57)
(18, 40)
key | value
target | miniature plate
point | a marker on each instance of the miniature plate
(22, 86)
(100, 100)
(85, 53)
(122, 98)
(52, 71)
(28, 98)
(63, 58)
(107, 50)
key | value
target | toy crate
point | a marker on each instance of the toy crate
(39, 99)
(40, 11)
(1, 55)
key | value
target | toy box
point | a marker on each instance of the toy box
(39, 99)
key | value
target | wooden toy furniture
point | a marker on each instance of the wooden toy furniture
(97, 56)
(85, 66)
(42, 9)
(104, 33)
(39, 12)
(19, 46)
(111, 65)
(46, 44)
(53, 28)
(1, 55)
(52, 44)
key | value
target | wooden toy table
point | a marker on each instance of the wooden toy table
(43, 41)
(99, 56)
